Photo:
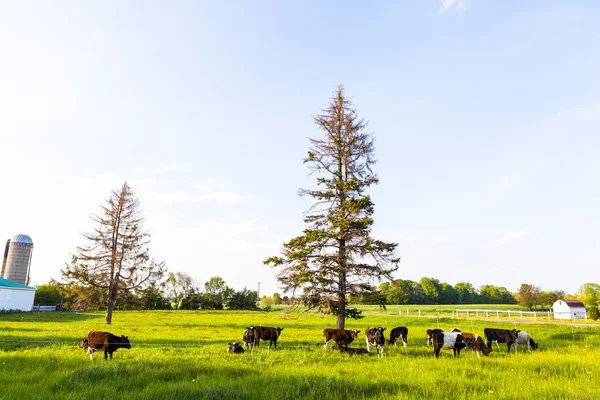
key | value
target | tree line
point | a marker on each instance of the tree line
(178, 291)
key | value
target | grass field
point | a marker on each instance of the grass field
(182, 355)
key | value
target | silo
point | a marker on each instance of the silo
(18, 259)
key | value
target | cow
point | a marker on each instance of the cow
(500, 336)
(374, 337)
(98, 340)
(350, 350)
(235, 347)
(523, 338)
(400, 332)
(339, 336)
(430, 333)
(447, 340)
(249, 337)
(474, 342)
(266, 333)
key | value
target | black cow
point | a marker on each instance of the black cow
(235, 347)
(500, 336)
(266, 333)
(249, 337)
(98, 340)
(339, 336)
(374, 337)
(447, 340)
(400, 332)
(350, 350)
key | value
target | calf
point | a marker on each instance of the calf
(249, 337)
(476, 343)
(400, 332)
(430, 333)
(235, 347)
(448, 340)
(98, 340)
(339, 336)
(350, 350)
(374, 337)
(500, 336)
(266, 333)
(523, 339)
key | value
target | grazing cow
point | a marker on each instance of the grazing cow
(523, 338)
(350, 350)
(249, 337)
(235, 347)
(266, 333)
(430, 333)
(339, 336)
(400, 332)
(85, 345)
(474, 342)
(98, 340)
(500, 336)
(448, 340)
(374, 337)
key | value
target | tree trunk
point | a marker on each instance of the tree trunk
(109, 311)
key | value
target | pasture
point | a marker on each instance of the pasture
(182, 355)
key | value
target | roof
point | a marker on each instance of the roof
(574, 303)
(6, 283)
(20, 238)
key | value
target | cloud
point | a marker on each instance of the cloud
(510, 237)
(447, 4)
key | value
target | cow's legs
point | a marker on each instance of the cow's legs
(91, 351)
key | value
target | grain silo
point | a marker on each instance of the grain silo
(18, 259)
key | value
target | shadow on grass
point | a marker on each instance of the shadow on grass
(159, 380)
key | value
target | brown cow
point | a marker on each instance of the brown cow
(339, 336)
(474, 342)
(266, 333)
(98, 340)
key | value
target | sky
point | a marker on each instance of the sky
(485, 116)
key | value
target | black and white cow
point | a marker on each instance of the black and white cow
(235, 347)
(430, 333)
(400, 332)
(523, 338)
(375, 338)
(449, 341)
(249, 337)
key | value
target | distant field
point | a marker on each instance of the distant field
(181, 355)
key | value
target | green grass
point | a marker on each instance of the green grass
(182, 355)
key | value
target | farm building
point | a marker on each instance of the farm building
(569, 309)
(15, 295)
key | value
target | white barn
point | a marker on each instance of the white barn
(569, 309)
(15, 295)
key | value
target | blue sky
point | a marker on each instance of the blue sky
(485, 114)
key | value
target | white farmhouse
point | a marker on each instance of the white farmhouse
(569, 309)
(15, 295)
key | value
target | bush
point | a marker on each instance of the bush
(594, 313)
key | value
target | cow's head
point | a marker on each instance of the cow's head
(84, 344)
(277, 331)
(354, 333)
(125, 342)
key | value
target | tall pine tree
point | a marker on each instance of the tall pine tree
(116, 258)
(336, 255)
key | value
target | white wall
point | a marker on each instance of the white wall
(16, 299)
